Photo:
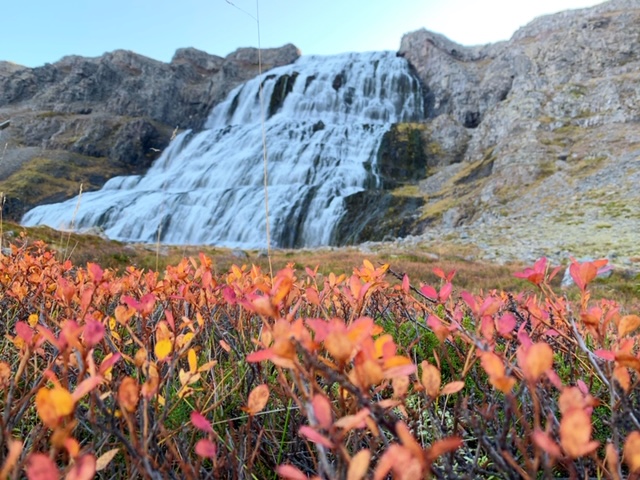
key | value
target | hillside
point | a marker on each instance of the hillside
(529, 147)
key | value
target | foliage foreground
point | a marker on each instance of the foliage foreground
(189, 374)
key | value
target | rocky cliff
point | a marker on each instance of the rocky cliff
(534, 143)
(84, 120)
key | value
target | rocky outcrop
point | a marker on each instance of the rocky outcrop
(551, 110)
(120, 109)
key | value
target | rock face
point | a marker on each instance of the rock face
(118, 110)
(542, 132)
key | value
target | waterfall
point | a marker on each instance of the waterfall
(325, 118)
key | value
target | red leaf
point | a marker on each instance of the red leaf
(201, 423)
(206, 448)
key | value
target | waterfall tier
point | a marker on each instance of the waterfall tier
(324, 119)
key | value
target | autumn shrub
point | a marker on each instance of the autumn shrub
(190, 374)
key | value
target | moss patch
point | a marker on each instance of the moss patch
(46, 180)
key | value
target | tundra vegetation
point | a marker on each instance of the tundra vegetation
(191, 371)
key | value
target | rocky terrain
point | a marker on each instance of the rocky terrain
(531, 146)
(85, 120)
(534, 144)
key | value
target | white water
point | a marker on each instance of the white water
(207, 188)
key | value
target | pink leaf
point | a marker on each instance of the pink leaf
(405, 283)
(315, 437)
(260, 355)
(201, 423)
(206, 448)
(290, 472)
(506, 324)
(322, 411)
(606, 355)
(23, 330)
(445, 291)
(93, 332)
(95, 272)
(109, 362)
(41, 467)
(84, 468)
(429, 292)
(86, 386)
(470, 300)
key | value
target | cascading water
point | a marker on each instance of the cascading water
(326, 116)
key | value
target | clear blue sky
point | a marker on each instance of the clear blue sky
(35, 32)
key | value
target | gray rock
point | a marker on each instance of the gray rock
(120, 108)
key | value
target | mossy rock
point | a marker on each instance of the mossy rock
(53, 179)
(402, 157)
(373, 215)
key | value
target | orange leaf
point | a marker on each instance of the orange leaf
(575, 433)
(613, 460)
(431, 379)
(537, 360)
(53, 404)
(492, 364)
(628, 324)
(632, 451)
(544, 441)
(258, 399)
(128, 394)
(453, 387)
(359, 465)
(445, 445)
(14, 448)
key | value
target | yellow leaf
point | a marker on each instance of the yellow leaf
(193, 361)
(163, 349)
(33, 320)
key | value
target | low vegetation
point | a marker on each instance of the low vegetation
(191, 370)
